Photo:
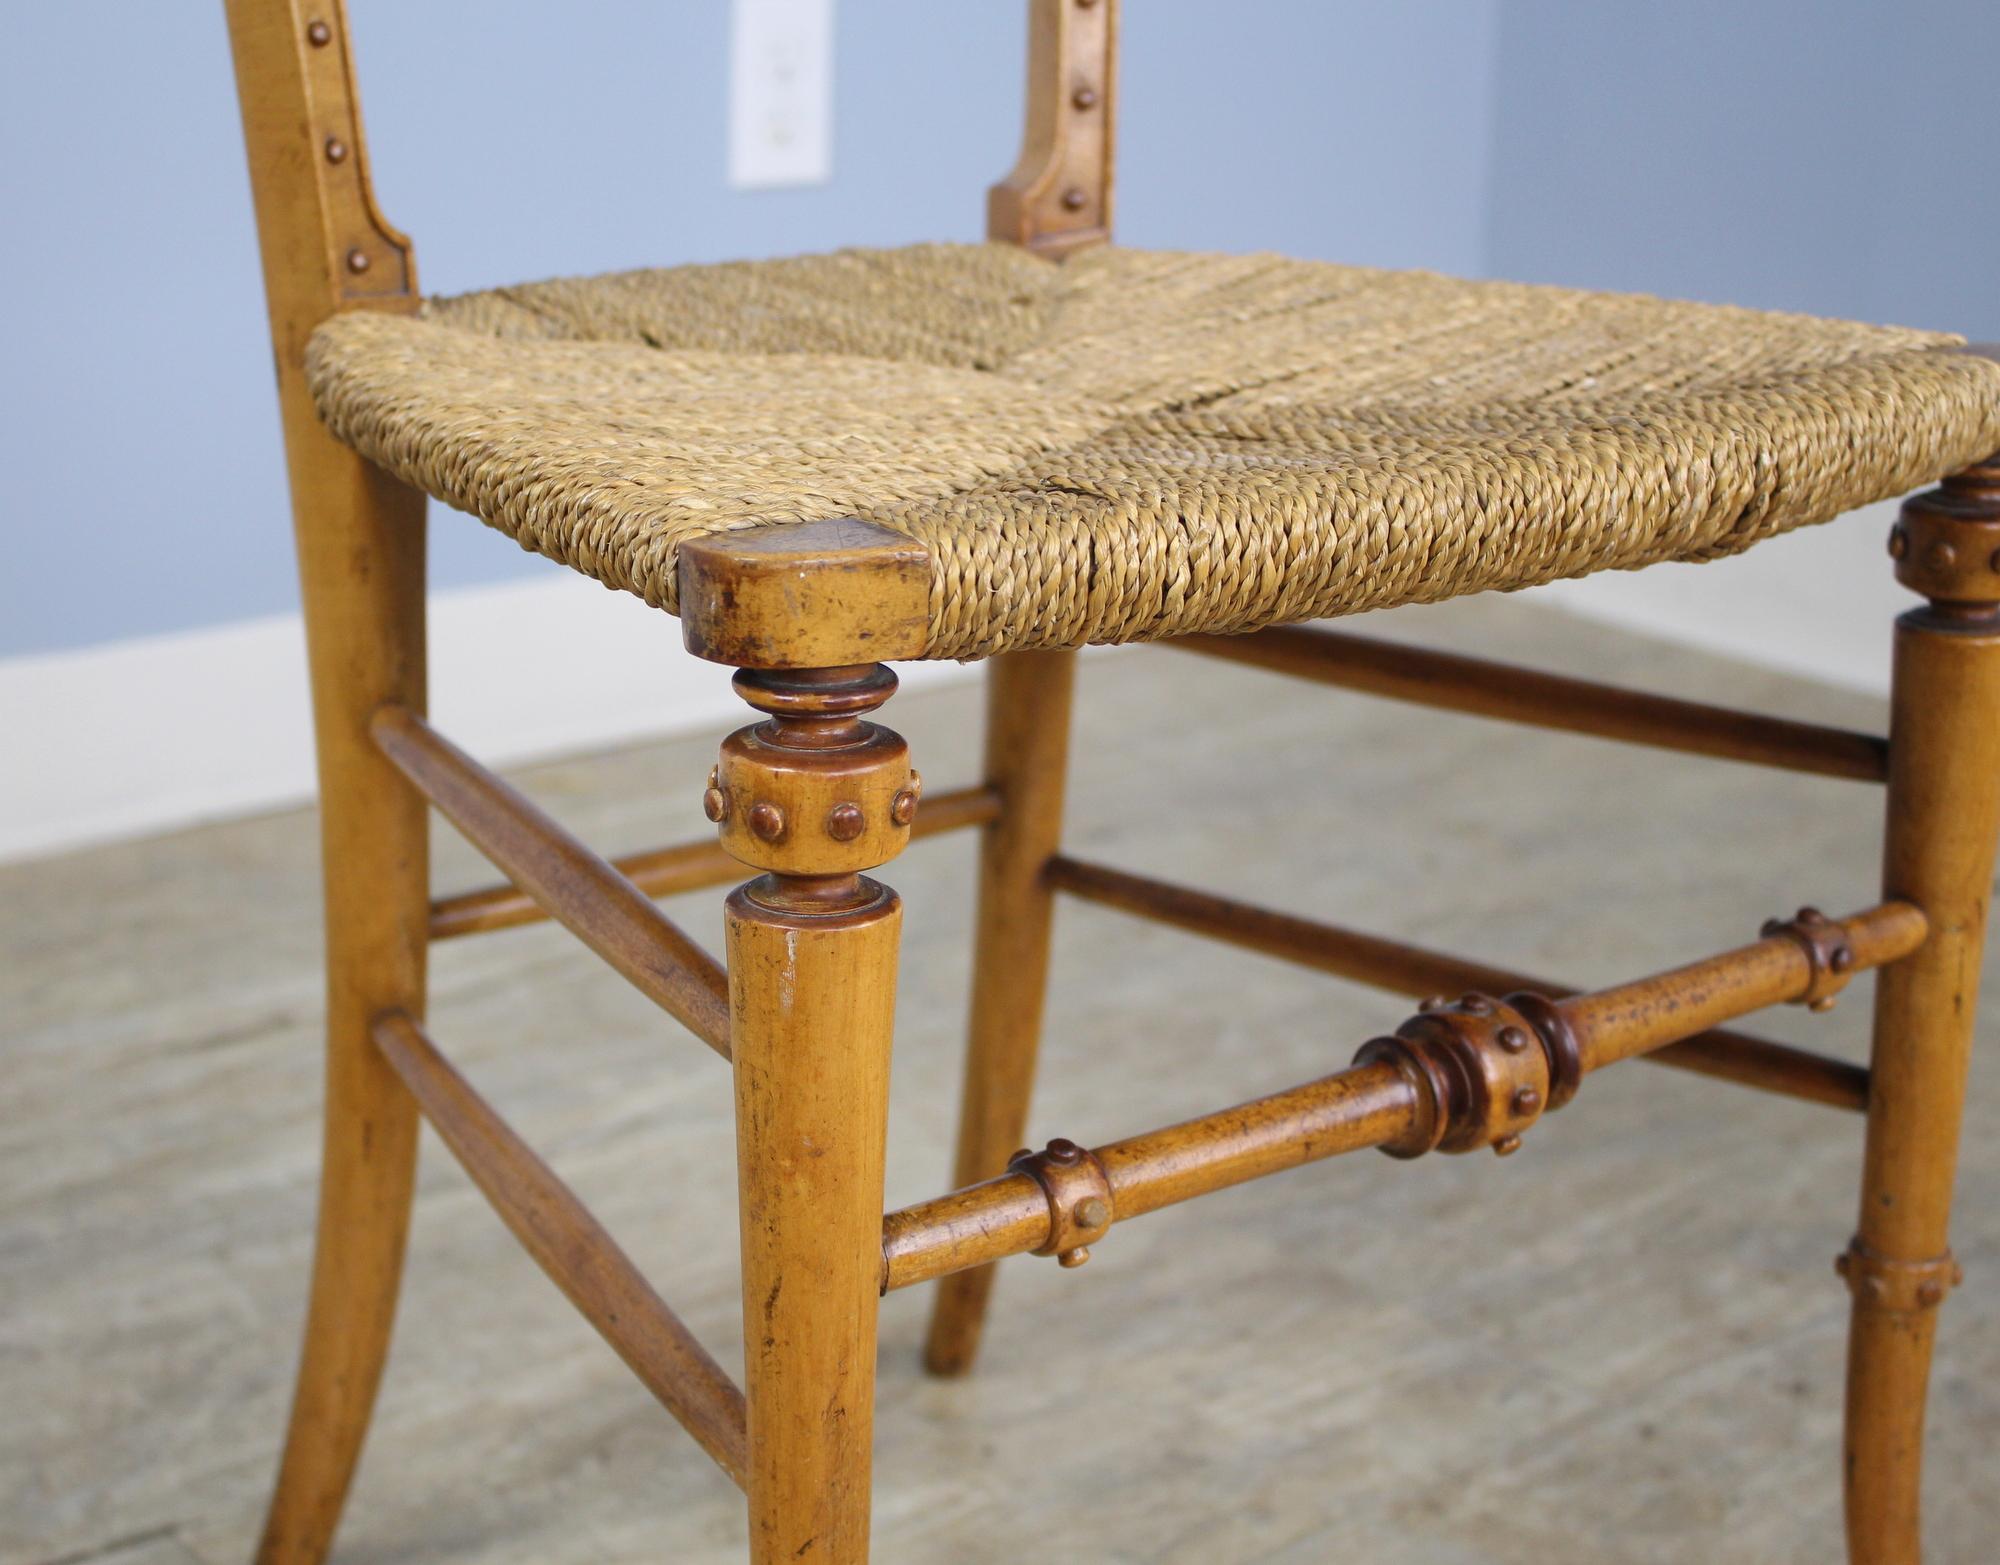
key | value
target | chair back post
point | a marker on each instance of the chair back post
(1058, 196)
(326, 246)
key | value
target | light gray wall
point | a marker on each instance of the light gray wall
(1830, 156)
(142, 488)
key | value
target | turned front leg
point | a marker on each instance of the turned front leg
(1944, 801)
(813, 795)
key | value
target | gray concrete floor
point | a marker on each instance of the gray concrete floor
(1623, 1345)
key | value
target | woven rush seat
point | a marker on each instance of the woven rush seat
(1136, 444)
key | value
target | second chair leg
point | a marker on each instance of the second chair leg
(1027, 744)
(361, 552)
(1944, 802)
(812, 796)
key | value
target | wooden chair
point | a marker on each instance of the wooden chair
(1006, 451)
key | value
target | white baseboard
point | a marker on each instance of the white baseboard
(148, 735)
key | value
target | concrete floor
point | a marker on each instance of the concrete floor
(1621, 1346)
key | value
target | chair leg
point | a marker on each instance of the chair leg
(1027, 743)
(1944, 802)
(361, 546)
(812, 796)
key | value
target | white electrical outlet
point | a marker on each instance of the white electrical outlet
(781, 93)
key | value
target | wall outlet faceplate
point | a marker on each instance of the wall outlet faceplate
(780, 93)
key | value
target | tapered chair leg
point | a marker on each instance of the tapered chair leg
(1944, 802)
(1027, 743)
(812, 796)
(361, 551)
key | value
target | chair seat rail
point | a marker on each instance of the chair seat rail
(1511, 693)
(572, 884)
(572, 1247)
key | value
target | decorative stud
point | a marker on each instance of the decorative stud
(903, 808)
(1829, 955)
(357, 261)
(810, 790)
(1432, 1002)
(318, 34)
(1946, 541)
(715, 804)
(1551, 1029)
(1474, 1073)
(1078, 1193)
(336, 150)
(1902, 1286)
(1084, 97)
(1074, 200)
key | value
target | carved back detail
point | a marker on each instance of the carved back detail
(1058, 196)
(326, 245)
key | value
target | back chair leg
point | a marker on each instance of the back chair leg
(1027, 742)
(361, 550)
(812, 796)
(1944, 802)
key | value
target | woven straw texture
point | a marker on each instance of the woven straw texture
(1135, 444)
